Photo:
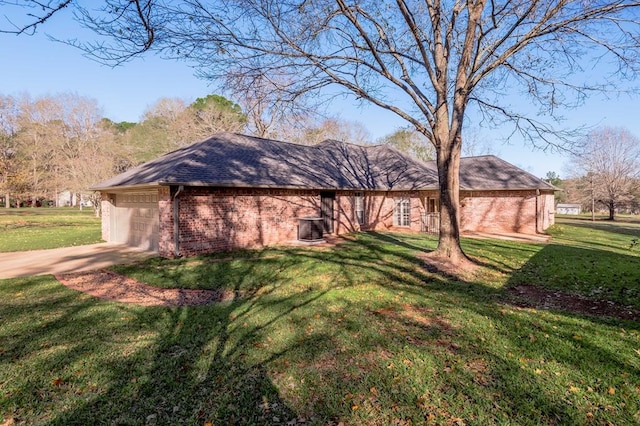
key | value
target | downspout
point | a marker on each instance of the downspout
(176, 222)
(537, 211)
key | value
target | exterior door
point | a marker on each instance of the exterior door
(135, 220)
(326, 210)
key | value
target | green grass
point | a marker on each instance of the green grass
(45, 228)
(359, 334)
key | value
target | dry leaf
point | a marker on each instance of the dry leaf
(57, 382)
(611, 391)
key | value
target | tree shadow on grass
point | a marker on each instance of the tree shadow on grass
(618, 227)
(208, 364)
(592, 273)
(359, 333)
(149, 365)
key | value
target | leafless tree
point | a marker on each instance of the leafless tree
(272, 109)
(313, 132)
(185, 123)
(411, 143)
(608, 167)
(54, 143)
(428, 61)
(168, 109)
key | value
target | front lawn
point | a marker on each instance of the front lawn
(355, 334)
(45, 228)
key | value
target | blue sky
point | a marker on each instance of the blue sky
(38, 66)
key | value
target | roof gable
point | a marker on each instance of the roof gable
(489, 172)
(233, 160)
(228, 159)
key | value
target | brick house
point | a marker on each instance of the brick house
(233, 191)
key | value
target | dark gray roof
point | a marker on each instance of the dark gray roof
(233, 160)
(488, 172)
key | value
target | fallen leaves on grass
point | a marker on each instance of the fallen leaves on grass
(111, 286)
(531, 296)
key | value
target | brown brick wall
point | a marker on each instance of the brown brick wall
(223, 219)
(166, 246)
(505, 211)
(379, 208)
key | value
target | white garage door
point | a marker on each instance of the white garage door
(136, 220)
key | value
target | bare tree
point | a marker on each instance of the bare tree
(331, 128)
(272, 109)
(168, 109)
(427, 61)
(206, 116)
(475, 144)
(9, 161)
(54, 143)
(40, 130)
(412, 143)
(180, 123)
(608, 167)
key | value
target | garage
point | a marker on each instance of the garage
(135, 219)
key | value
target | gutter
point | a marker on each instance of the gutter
(537, 211)
(176, 222)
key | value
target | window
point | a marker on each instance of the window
(358, 207)
(402, 212)
(433, 205)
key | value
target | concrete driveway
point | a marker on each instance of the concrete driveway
(68, 259)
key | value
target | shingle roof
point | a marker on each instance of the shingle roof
(233, 160)
(489, 172)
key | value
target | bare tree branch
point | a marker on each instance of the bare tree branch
(427, 61)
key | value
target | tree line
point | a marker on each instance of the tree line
(603, 173)
(63, 143)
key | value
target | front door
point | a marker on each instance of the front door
(326, 210)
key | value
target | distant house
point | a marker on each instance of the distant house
(67, 198)
(568, 208)
(233, 191)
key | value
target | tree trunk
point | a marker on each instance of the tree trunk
(7, 202)
(448, 160)
(612, 210)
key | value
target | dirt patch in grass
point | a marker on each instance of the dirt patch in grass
(111, 286)
(531, 296)
(464, 269)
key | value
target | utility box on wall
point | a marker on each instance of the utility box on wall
(310, 228)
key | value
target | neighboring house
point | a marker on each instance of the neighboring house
(67, 198)
(233, 191)
(568, 209)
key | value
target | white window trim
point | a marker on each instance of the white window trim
(358, 207)
(402, 212)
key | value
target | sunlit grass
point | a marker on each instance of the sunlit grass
(44, 228)
(359, 333)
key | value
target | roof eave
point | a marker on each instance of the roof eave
(293, 187)
(125, 187)
(527, 188)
